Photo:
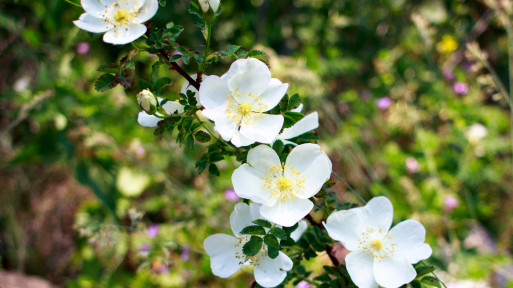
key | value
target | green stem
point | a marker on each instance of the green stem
(73, 3)
(349, 187)
(201, 67)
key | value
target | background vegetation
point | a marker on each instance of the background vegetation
(399, 98)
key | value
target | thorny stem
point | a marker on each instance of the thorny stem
(179, 69)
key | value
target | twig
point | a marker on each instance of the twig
(179, 69)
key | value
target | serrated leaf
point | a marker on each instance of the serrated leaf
(256, 53)
(105, 82)
(163, 82)
(278, 232)
(423, 270)
(290, 229)
(230, 49)
(271, 241)
(175, 57)
(253, 230)
(202, 136)
(431, 281)
(273, 253)
(126, 78)
(278, 146)
(212, 169)
(294, 101)
(215, 157)
(253, 246)
(155, 70)
(263, 223)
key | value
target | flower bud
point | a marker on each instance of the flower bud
(147, 101)
(206, 4)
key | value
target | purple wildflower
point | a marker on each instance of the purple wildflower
(82, 48)
(412, 165)
(448, 74)
(303, 284)
(185, 253)
(460, 88)
(384, 102)
(450, 203)
(230, 195)
(152, 231)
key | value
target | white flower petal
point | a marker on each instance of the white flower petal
(264, 130)
(360, 268)
(222, 251)
(308, 123)
(204, 5)
(271, 272)
(147, 11)
(250, 76)
(263, 157)
(393, 272)
(409, 238)
(287, 212)
(379, 212)
(92, 24)
(240, 140)
(248, 184)
(131, 5)
(273, 94)
(346, 226)
(214, 4)
(173, 106)
(243, 215)
(213, 92)
(124, 34)
(313, 164)
(301, 228)
(147, 120)
(96, 7)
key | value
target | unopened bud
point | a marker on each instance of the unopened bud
(147, 101)
(206, 4)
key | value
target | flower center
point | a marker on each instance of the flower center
(239, 108)
(377, 242)
(283, 181)
(122, 17)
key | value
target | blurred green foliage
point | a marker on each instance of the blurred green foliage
(342, 57)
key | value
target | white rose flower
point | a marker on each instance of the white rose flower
(236, 102)
(282, 189)
(205, 4)
(308, 123)
(378, 256)
(226, 256)
(148, 120)
(120, 19)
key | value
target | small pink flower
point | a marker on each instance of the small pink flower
(450, 203)
(185, 253)
(412, 165)
(448, 74)
(82, 48)
(152, 231)
(303, 284)
(384, 102)
(460, 88)
(231, 196)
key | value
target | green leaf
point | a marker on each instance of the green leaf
(212, 169)
(271, 241)
(290, 229)
(253, 230)
(230, 49)
(256, 53)
(294, 101)
(105, 82)
(215, 157)
(278, 146)
(155, 70)
(202, 136)
(175, 57)
(253, 246)
(126, 78)
(415, 284)
(431, 281)
(278, 232)
(423, 270)
(263, 223)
